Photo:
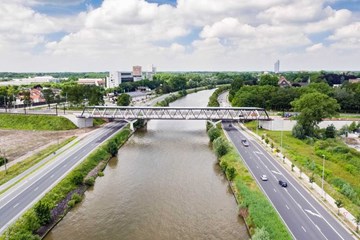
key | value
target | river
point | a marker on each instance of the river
(164, 184)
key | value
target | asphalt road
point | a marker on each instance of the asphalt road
(14, 202)
(304, 216)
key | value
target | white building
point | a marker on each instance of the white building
(277, 66)
(116, 78)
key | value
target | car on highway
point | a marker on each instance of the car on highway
(264, 177)
(245, 142)
(283, 183)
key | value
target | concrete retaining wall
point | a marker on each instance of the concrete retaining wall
(279, 124)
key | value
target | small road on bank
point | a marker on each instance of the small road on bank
(15, 201)
(305, 217)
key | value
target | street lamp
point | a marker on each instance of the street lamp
(323, 171)
(281, 135)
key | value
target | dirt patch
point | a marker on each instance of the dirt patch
(19, 143)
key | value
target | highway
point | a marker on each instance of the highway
(305, 217)
(15, 201)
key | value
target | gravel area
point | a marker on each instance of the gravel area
(17, 144)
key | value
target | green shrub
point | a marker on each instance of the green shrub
(230, 173)
(90, 181)
(214, 133)
(267, 140)
(298, 131)
(261, 234)
(220, 147)
(71, 203)
(101, 174)
(223, 165)
(77, 178)
(42, 211)
(76, 197)
(112, 148)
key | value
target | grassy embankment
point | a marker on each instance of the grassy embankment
(342, 165)
(27, 226)
(34, 122)
(260, 216)
(175, 96)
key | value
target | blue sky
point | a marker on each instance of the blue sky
(100, 35)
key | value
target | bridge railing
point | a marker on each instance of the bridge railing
(175, 113)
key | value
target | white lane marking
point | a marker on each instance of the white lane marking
(274, 190)
(65, 166)
(303, 228)
(36, 189)
(278, 173)
(257, 166)
(312, 213)
(287, 207)
(16, 205)
(52, 176)
(260, 153)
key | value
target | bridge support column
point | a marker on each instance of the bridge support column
(131, 122)
(214, 123)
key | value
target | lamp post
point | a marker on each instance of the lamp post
(281, 135)
(323, 171)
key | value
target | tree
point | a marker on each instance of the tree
(268, 79)
(48, 95)
(330, 131)
(124, 100)
(339, 204)
(313, 107)
(214, 133)
(42, 211)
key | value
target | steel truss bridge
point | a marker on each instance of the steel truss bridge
(175, 113)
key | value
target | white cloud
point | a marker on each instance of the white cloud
(121, 33)
(315, 47)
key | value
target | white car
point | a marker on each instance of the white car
(264, 177)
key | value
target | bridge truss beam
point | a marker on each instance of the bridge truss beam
(175, 113)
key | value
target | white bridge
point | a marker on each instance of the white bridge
(175, 113)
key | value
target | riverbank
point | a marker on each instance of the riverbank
(55, 204)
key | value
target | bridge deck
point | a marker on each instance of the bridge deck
(175, 113)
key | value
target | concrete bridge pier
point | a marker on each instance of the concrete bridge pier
(80, 122)
(131, 122)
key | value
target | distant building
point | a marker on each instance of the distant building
(92, 81)
(283, 82)
(354, 80)
(277, 66)
(116, 78)
(137, 71)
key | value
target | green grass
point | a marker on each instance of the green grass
(342, 163)
(22, 166)
(98, 121)
(35, 122)
(29, 222)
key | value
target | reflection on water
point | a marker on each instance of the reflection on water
(165, 184)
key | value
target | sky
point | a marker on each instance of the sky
(179, 35)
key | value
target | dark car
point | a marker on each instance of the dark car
(245, 142)
(282, 183)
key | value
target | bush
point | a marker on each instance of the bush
(77, 178)
(42, 211)
(76, 197)
(214, 133)
(223, 165)
(101, 174)
(261, 234)
(112, 148)
(220, 147)
(71, 203)
(330, 131)
(298, 131)
(90, 181)
(231, 173)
